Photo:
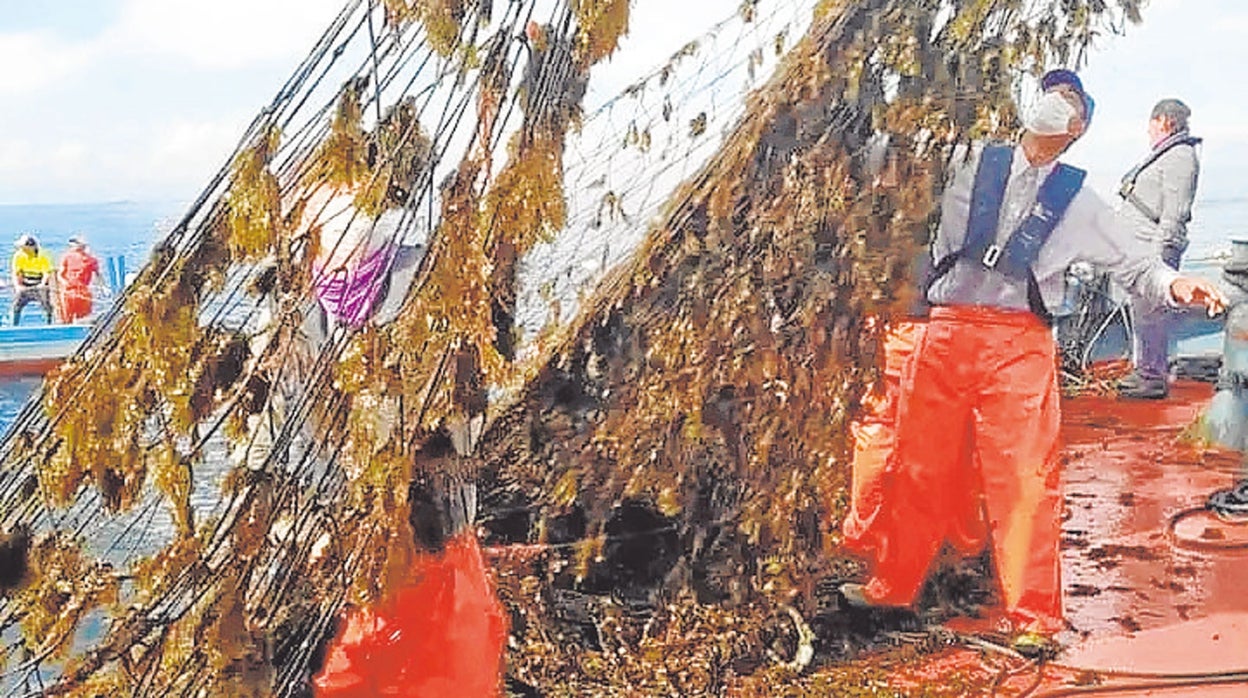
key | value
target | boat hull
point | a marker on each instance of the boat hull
(31, 350)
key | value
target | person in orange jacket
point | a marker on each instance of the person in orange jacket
(978, 413)
(78, 270)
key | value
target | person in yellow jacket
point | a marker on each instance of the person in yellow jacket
(32, 273)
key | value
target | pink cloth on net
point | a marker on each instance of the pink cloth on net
(349, 294)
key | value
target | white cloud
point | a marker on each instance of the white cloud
(29, 167)
(1226, 130)
(222, 34)
(15, 154)
(68, 156)
(34, 60)
(151, 132)
(1235, 27)
(175, 53)
(194, 146)
(217, 35)
(172, 162)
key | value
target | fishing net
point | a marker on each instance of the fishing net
(637, 326)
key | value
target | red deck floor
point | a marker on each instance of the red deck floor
(1146, 609)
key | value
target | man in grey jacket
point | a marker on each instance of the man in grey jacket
(1157, 204)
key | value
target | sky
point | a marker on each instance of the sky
(1186, 49)
(143, 100)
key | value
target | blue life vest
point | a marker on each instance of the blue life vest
(1015, 257)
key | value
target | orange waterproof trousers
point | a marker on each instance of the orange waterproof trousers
(75, 302)
(874, 435)
(977, 431)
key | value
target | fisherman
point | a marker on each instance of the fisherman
(978, 414)
(78, 270)
(32, 277)
(1157, 197)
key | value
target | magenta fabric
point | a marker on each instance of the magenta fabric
(349, 294)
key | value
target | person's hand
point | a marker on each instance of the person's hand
(1192, 291)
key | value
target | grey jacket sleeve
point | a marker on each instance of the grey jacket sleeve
(1109, 244)
(1179, 170)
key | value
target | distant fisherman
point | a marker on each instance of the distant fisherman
(78, 269)
(32, 277)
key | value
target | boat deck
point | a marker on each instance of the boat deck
(1151, 613)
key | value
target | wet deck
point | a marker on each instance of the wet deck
(1150, 613)
(1127, 475)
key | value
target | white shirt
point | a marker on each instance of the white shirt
(1088, 232)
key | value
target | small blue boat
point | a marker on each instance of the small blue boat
(34, 347)
(1094, 325)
